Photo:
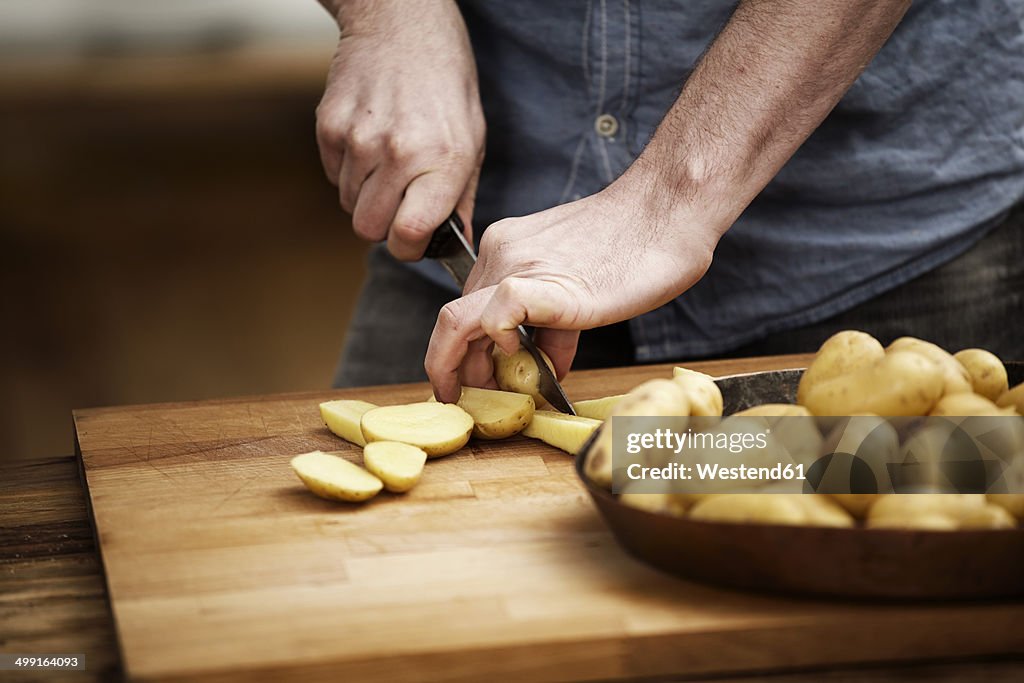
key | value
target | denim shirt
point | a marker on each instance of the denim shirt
(919, 159)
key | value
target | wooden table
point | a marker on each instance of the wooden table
(53, 598)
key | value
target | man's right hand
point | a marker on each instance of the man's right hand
(400, 126)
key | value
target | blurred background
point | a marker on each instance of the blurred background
(166, 231)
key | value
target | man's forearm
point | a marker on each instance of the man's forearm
(766, 82)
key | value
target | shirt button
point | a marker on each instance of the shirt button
(606, 125)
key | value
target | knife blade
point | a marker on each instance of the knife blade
(449, 247)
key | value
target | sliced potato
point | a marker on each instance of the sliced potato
(519, 373)
(703, 394)
(597, 408)
(567, 432)
(955, 376)
(842, 353)
(342, 418)
(437, 428)
(398, 465)
(496, 414)
(987, 372)
(335, 478)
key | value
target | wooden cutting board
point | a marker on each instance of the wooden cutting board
(221, 566)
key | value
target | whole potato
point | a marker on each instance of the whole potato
(955, 377)
(900, 383)
(1013, 398)
(1011, 502)
(761, 508)
(842, 353)
(968, 405)
(519, 373)
(904, 506)
(987, 372)
(704, 395)
(653, 398)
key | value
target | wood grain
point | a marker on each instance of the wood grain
(52, 596)
(220, 564)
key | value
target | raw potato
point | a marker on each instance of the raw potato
(597, 408)
(519, 373)
(901, 383)
(987, 372)
(988, 517)
(842, 353)
(938, 512)
(342, 418)
(661, 503)
(567, 432)
(968, 405)
(398, 465)
(771, 508)
(497, 414)
(857, 504)
(654, 398)
(335, 478)
(1013, 398)
(1011, 502)
(703, 394)
(437, 428)
(955, 376)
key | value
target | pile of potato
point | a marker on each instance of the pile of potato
(851, 375)
(398, 440)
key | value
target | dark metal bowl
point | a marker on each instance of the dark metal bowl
(826, 561)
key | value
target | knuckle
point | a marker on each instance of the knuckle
(449, 319)
(367, 229)
(361, 139)
(412, 227)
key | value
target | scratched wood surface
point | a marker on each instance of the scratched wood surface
(220, 565)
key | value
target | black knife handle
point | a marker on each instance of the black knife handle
(445, 240)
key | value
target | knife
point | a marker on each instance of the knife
(448, 246)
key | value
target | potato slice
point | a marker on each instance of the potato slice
(398, 465)
(567, 432)
(335, 478)
(342, 418)
(597, 408)
(519, 373)
(987, 372)
(497, 414)
(437, 428)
